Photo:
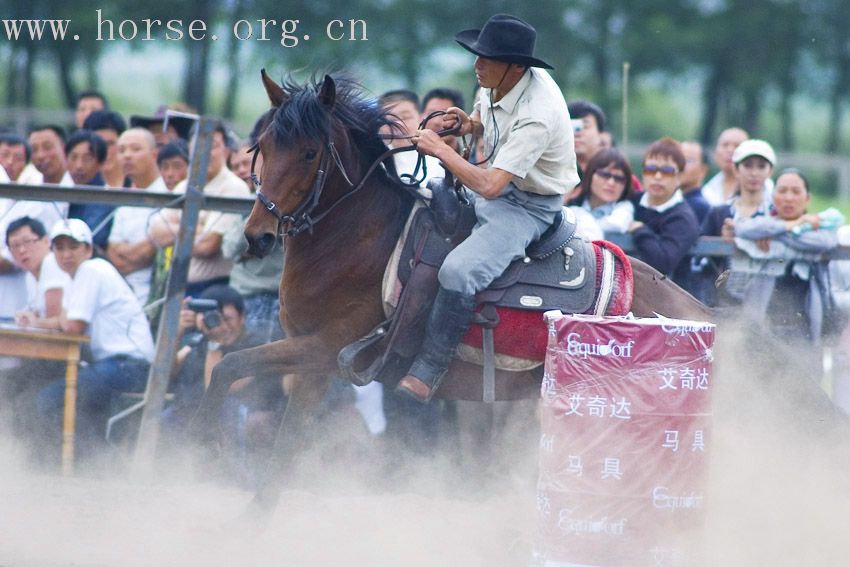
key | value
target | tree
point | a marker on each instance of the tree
(830, 28)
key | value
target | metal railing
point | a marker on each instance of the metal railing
(705, 246)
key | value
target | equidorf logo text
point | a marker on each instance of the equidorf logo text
(661, 499)
(567, 523)
(682, 330)
(612, 348)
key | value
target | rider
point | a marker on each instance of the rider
(528, 137)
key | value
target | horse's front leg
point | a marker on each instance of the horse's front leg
(296, 432)
(288, 356)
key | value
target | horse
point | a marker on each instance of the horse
(342, 216)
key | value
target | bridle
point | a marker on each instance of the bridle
(303, 218)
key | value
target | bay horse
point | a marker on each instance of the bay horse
(342, 218)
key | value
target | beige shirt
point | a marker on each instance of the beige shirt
(535, 135)
(225, 184)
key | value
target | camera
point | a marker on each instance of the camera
(210, 310)
(578, 124)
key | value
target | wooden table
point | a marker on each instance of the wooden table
(50, 345)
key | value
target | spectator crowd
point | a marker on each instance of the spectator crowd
(99, 270)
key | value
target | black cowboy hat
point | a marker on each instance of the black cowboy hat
(505, 38)
(182, 124)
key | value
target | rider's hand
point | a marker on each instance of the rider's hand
(455, 116)
(427, 142)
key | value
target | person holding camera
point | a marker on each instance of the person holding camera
(210, 327)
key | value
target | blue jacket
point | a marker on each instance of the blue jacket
(698, 204)
(665, 239)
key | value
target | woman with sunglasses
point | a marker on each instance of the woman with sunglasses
(606, 190)
(665, 227)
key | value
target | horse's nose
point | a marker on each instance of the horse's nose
(260, 246)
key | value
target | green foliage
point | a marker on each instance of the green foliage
(744, 63)
(821, 202)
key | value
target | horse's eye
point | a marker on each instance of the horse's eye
(310, 155)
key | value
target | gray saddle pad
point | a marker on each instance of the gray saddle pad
(564, 279)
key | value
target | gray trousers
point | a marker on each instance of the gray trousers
(506, 226)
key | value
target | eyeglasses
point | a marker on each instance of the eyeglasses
(605, 174)
(665, 170)
(21, 244)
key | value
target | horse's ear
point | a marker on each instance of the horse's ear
(277, 96)
(327, 94)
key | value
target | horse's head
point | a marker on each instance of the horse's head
(291, 160)
(310, 142)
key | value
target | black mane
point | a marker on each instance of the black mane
(303, 117)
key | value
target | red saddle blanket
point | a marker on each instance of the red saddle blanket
(523, 334)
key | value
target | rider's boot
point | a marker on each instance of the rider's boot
(449, 320)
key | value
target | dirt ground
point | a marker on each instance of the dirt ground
(779, 495)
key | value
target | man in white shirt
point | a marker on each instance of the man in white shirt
(208, 265)
(27, 240)
(523, 118)
(100, 304)
(48, 154)
(130, 250)
(46, 282)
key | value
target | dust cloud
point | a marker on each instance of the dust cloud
(779, 494)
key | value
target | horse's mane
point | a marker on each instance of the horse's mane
(304, 117)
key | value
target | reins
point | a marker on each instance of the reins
(302, 219)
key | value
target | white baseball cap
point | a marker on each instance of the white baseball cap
(72, 228)
(749, 148)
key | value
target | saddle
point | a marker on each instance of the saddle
(558, 271)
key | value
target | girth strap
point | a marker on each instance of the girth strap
(488, 318)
